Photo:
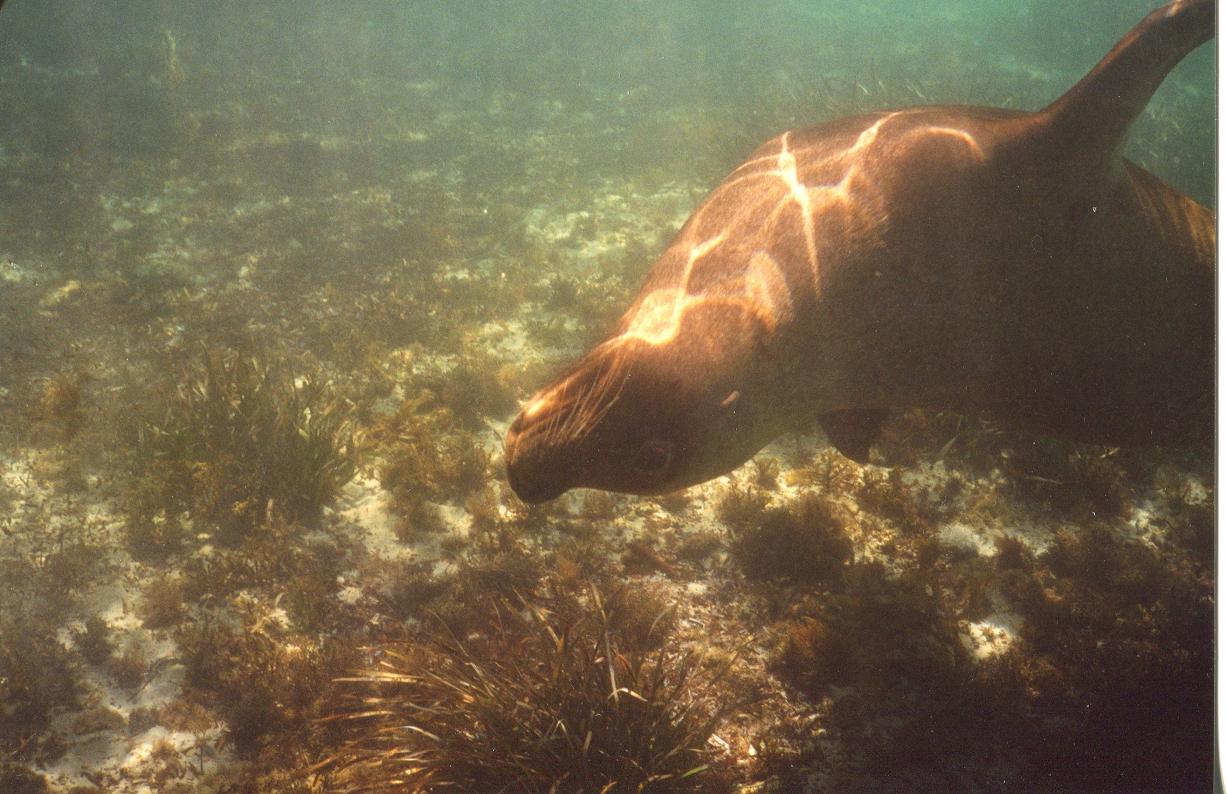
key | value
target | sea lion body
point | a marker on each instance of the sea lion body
(992, 262)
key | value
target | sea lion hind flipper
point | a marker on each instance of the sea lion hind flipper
(1093, 118)
(853, 432)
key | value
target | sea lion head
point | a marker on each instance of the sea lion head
(670, 401)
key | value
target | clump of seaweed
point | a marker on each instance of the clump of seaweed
(280, 562)
(563, 293)
(599, 506)
(641, 557)
(696, 547)
(94, 640)
(97, 719)
(765, 472)
(803, 540)
(877, 635)
(1096, 557)
(829, 471)
(915, 436)
(410, 589)
(1120, 649)
(473, 391)
(482, 571)
(151, 536)
(161, 604)
(674, 501)
(1070, 478)
(60, 404)
(507, 572)
(489, 527)
(741, 506)
(129, 668)
(1193, 528)
(268, 686)
(18, 778)
(426, 457)
(641, 615)
(167, 762)
(539, 703)
(888, 495)
(1115, 647)
(36, 678)
(532, 519)
(887, 654)
(46, 582)
(240, 444)
(577, 562)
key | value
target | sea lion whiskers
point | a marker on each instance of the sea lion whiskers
(578, 402)
(582, 418)
(585, 418)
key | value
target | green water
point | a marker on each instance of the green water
(275, 277)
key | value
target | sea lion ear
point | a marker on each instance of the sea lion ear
(853, 432)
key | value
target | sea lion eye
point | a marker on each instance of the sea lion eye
(654, 456)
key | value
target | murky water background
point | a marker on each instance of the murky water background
(273, 279)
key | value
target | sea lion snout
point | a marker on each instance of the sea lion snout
(530, 490)
(532, 480)
(637, 418)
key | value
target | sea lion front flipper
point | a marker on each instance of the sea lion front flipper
(854, 432)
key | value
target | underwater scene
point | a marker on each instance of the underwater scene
(287, 288)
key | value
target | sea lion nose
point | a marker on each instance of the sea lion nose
(524, 475)
(528, 490)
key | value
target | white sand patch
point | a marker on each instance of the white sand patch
(13, 273)
(993, 635)
(966, 536)
(363, 504)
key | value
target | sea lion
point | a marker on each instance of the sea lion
(998, 263)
